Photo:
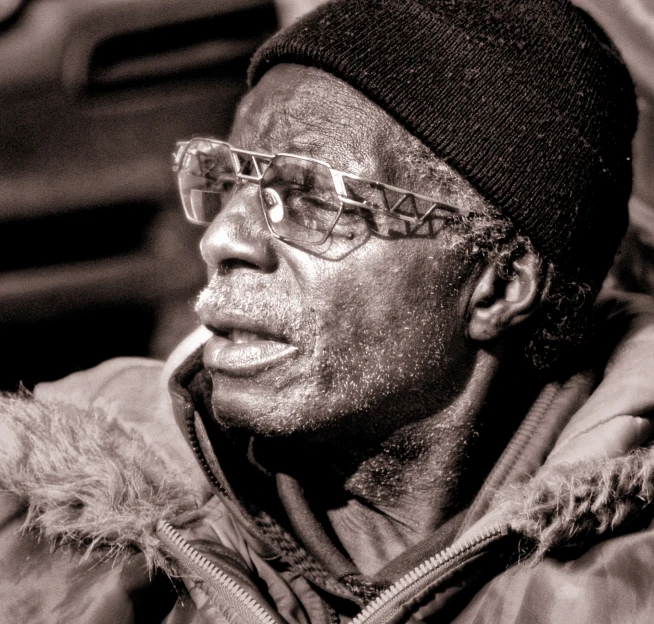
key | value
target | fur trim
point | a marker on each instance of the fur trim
(88, 484)
(84, 481)
(572, 504)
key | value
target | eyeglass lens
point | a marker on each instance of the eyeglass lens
(207, 179)
(298, 197)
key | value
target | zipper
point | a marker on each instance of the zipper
(380, 609)
(373, 613)
(195, 447)
(229, 591)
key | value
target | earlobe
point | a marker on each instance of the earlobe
(499, 302)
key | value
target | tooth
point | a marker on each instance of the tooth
(238, 336)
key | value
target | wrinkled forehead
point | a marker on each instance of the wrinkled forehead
(307, 111)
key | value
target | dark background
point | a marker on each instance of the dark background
(95, 258)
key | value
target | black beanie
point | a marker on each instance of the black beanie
(527, 99)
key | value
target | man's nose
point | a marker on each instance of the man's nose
(238, 236)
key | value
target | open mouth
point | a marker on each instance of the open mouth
(240, 336)
(239, 352)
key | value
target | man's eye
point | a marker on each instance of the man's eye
(351, 213)
(309, 209)
(300, 195)
(313, 204)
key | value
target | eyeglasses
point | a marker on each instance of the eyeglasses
(304, 200)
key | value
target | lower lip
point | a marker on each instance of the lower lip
(245, 358)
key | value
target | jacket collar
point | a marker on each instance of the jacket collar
(520, 478)
(234, 476)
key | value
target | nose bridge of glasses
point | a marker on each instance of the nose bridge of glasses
(249, 165)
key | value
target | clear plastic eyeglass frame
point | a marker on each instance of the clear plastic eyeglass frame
(248, 166)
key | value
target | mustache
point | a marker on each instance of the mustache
(279, 313)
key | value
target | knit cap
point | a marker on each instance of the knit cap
(527, 99)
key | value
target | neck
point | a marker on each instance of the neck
(384, 496)
(418, 480)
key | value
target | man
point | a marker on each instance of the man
(416, 207)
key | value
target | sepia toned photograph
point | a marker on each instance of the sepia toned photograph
(326, 311)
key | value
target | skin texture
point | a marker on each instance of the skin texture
(397, 338)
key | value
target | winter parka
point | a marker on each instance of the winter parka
(109, 514)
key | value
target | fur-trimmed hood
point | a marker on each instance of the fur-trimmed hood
(572, 505)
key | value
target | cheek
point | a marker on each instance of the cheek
(389, 331)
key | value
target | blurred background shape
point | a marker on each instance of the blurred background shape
(96, 260)
(290, 10)
(9, 10)
(95, 257)
(630, 23)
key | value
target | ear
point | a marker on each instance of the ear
(499, 302)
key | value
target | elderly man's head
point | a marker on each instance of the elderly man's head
(363, 320)
(326, 306)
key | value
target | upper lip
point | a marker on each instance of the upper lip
(223, 322)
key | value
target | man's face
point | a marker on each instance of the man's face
(340, 339)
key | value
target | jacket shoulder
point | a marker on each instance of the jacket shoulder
(111, 379)
(610, 582)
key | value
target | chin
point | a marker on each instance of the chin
(278, 418)
(256, 416)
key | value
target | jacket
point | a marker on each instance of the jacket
(109, 515)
